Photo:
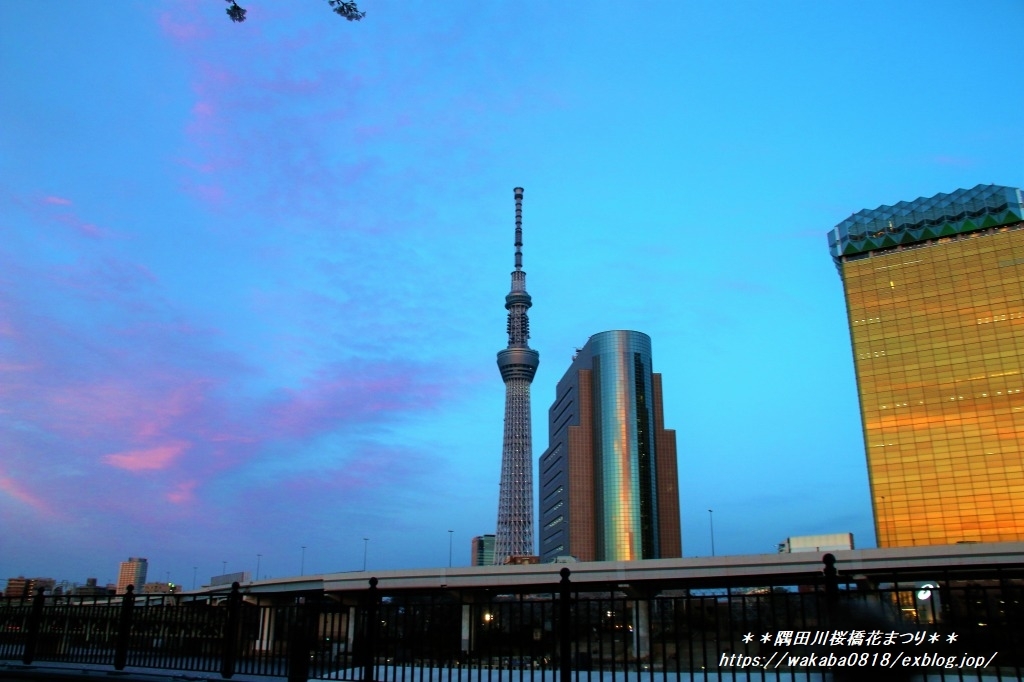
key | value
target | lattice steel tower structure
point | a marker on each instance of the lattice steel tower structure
(518, 363)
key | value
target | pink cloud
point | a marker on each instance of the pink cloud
(83, 228)
(202, 167)
(14, 490)
(204, 123)
(183, 493)
(107, 279)
(15, 367)
(117, 375)
(354, 484)
(164, 413)
(297, 106)
(214, 79)
(336, 397)
(150, 405)
(181, 32)
(203, 109)
(54, 208)
(147, 459)
(213, 195)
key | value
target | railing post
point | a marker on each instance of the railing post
(35, 618)
(370, 639)
(831, 585)
(124, 628)
(229, 646)
(298, 642)
(564, 628)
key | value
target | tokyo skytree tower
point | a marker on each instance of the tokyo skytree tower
(518, 363)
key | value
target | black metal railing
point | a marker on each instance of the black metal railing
(959, 625)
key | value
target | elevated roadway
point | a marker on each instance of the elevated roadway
(908, 563)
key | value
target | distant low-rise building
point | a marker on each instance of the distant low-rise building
(159, 588)
(23, 588)
(240, 577)
(91, 589)
(829, 542)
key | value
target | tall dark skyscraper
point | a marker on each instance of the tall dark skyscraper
(608, 480)
(935, 298)
(518, 363)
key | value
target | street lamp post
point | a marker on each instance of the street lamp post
(450, 532)
(879, 528)
(886, 526)
(366, 541)
(711, 522)
(223, 568)
(258, 557)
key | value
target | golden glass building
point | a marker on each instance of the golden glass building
(935, 299)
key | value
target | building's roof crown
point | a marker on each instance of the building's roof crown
(942, 215)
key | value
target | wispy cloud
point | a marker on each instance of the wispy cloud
(183, 493)
(148, 459)
(339, 396)
(86, 229)
(55, 209)
(741, 286)
(118, 381)
(106, 278)
(182, 31)
(954, 161)
(18, 492)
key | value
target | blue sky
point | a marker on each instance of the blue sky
(252, 275)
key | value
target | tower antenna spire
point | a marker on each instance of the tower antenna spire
(519, 227)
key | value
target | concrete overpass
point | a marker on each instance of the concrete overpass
(704, 572)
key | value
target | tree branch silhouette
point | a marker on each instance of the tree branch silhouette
(343, 8)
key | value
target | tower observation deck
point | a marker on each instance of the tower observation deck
(517, 363)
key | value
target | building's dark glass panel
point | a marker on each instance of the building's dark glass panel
(645, 461)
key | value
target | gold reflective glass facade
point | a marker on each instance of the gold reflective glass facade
(938, 339)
